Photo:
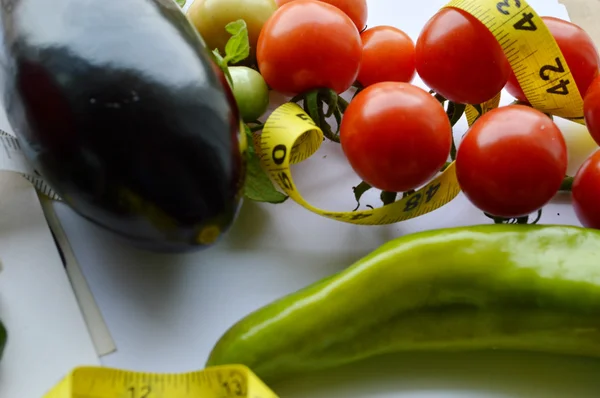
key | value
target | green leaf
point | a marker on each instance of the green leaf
(181, 2)
(359, 190)
(238, 46)
(3, 338)
(259, 186)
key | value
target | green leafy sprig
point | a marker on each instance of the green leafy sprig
(258, 185)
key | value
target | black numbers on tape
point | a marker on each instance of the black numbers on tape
(235, 385)
(354, 217)
(333, 215)
(306, 118)
(415, 199)
(504, 5)
(562, 88)
(359, 216)
(546, 69)
(413, 202)
(526, 23)
(139, 392)
(431, 191)
(284, 179)
(233, 388)
(279, 153)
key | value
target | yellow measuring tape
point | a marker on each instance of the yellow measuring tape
(290, 136)
(533, 55)
(233, 381)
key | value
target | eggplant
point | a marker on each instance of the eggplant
(121, 109)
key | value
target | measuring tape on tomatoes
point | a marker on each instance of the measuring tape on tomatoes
(472, 113)
(289, 136)
(230, 381)
(533, 54)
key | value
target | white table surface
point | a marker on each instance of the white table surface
(47, 334)
(166, 311)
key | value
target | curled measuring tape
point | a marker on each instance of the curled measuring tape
(289, 136)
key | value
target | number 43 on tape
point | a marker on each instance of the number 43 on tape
(230, 381)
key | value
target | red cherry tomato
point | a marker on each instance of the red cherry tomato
(308, 44)
(579, 51)
(356, 9)
(591, 109)
(512, 161)
(388, 55)
(586, 192)
(396, 136)
(459, 58)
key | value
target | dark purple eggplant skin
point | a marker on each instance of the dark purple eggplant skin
(119, 106)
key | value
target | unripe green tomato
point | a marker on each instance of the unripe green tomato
(210, 17)
(250, 91)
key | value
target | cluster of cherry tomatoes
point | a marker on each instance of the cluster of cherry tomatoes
(397, 136)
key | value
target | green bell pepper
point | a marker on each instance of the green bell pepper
(513, 287)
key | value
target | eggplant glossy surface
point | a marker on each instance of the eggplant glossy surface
(119, 107)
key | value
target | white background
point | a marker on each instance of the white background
(166, 311)
(47, 334)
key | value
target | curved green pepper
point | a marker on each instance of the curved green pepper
(515, 287)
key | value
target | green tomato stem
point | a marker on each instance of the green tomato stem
(567, 184)
(441, 99)
(388, 197)
(408, 193)
(359, 190)
(313, 103)
(343, 104)
(518, 220)
(332, 102)
(338, 119)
